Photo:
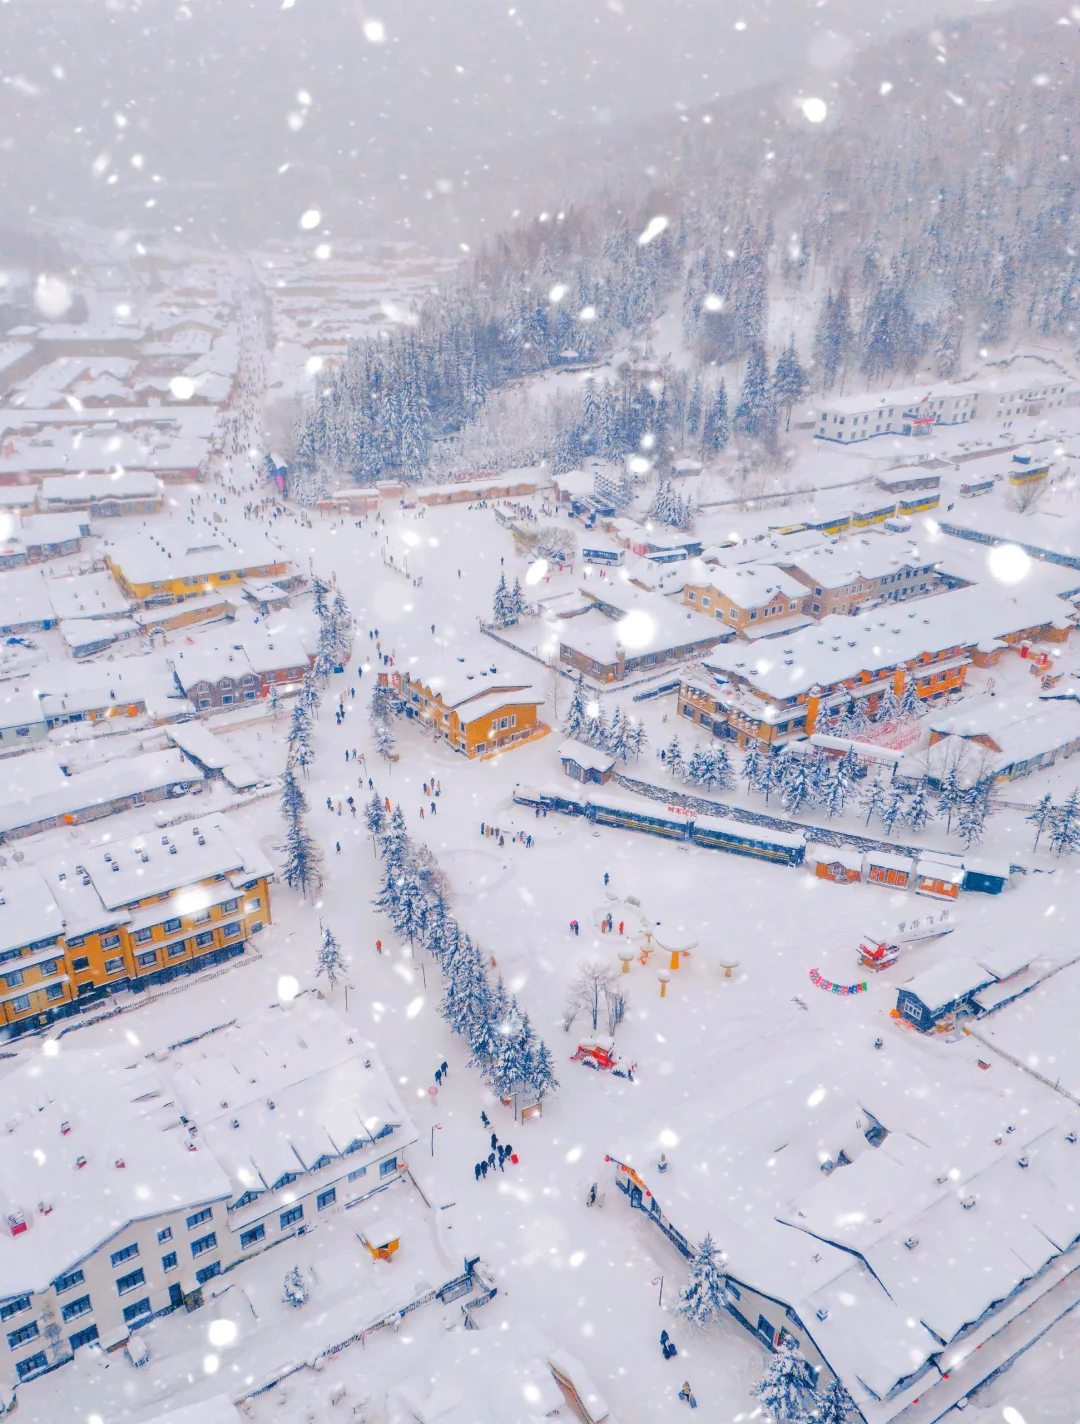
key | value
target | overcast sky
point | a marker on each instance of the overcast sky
(227, 118)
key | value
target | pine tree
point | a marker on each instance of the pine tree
(855, 722)
(518, 606)
(619, 743)
(697, 768)
(892, 812)
(790, 382)
(672, 758)
(950, 796)
(716, 432)
(374, 815)
(752, 767)
(720, 775)
(920, 811)
(293, 800)
(597, 730)
(540, 1078)
(911, 705)
(834, 338)
(693, 410)
(788, 1393)
(321, 602)
(576, 716)
(795, 786)
(972, 817)
(303, 859)
(1065, 825)
(835, 1406)
(754, 414)
(295, 1288)
(330, 961)
(465, 1005)
(636, 738)
(703, 1298)
(872, 798)
(1042, 817)
(501, 614)
(888, 708)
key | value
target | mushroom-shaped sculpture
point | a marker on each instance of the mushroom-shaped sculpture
(626, 955)
(675, 940)
(728, 965)
(665, 978)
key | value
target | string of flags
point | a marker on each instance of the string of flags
(831, 988)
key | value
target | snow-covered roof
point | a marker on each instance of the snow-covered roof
(152, 771)
(149, 556)
(948, 980)
(747, 586)
(661, 628)
(93, 595)
(591, 758)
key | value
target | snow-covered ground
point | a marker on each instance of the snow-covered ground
(582, 1278)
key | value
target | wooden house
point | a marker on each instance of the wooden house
(836, 863)
(940, 878)
(883, 868)
(946, 989)
(585, 763)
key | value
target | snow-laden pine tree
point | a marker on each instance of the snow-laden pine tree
(302, 869)
(518, 606)
(872, 798)
(950, 796)
(703, 1298)
(541, 1078)
(834, 1405)
(672, 757)
(911, 704)
(716, 432)
(892, 813)
(320, 596)
(696, 770)
(501, 613)
(790, 382)
(295, 1288)
(576, 716)
(293, 800)
(375, 816)
(331, 962)
(920, 810)
(1042, 817)
(394, 844)
(618, 742)
(972, 817)
(752, 767)
(465, 1004)
(788, 1393)
(1065, 825)
(795, 789)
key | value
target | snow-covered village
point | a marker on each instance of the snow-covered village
(540, 832)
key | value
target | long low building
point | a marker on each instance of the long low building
(475, 710)
(170, 566)
(890, 1222)
(126, 915)
(778, 688)
(188, 1161)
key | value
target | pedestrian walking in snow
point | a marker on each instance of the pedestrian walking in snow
(502, 1160)
(337, 847)
(574, 926)
(590, 1200)
(438, 1077)
(485, 1119)
(476, 1171)
(421, 813)
(491, 1161)
(443, 1068)
(687, 1394)
(484, 1170)
(378, 946)
(607, 877)
(494, 1141)
(433, 808)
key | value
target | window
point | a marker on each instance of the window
(207, 1272)
(63, 1283)
(230, 906)
(231, 931)
(294, 1213)
(115, 965)
(385, 1168)
(130, 1282)
(14, 1306)
(734, 1290)
(176, 950)
(21, 1004)
(170, 926)
(54, 992)
(251, 906)
(243, 1200)
(327, 1198)
(200, 917)
(249, 1238)
(75, 1308)
(360, 1172)
(31, 1363)
(169, 1261)
(141, 936)
(202, 940)
(15, 979)
(199, 1217)
(164, 1235)
(81, 963)
(124, 1254)
(110, 941)
(202, 1244)
(26, 1332)
(147, 960)
(49, 968)
(22, 731)
(86, 1336)
(133, 1312)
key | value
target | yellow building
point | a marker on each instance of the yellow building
(169, 568)
(477, 712)
(127, 915)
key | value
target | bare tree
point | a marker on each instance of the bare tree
(617, 1003)
(595, 981)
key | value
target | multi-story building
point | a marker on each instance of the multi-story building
(914, 411)
(848, 579)
(169, 567)
(476, 711)
(126, 915)
(778, 689)
(225, 675)
(757, 600)
(127, 1188)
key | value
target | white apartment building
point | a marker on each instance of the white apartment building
(912, 411)
(129, 1181)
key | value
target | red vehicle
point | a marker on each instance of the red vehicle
(596, 1053)
(878, 954)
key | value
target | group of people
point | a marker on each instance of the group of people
(497, 1157)
(498, 834)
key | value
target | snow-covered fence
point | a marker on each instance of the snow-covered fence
(660, 691)
(449, 1291)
